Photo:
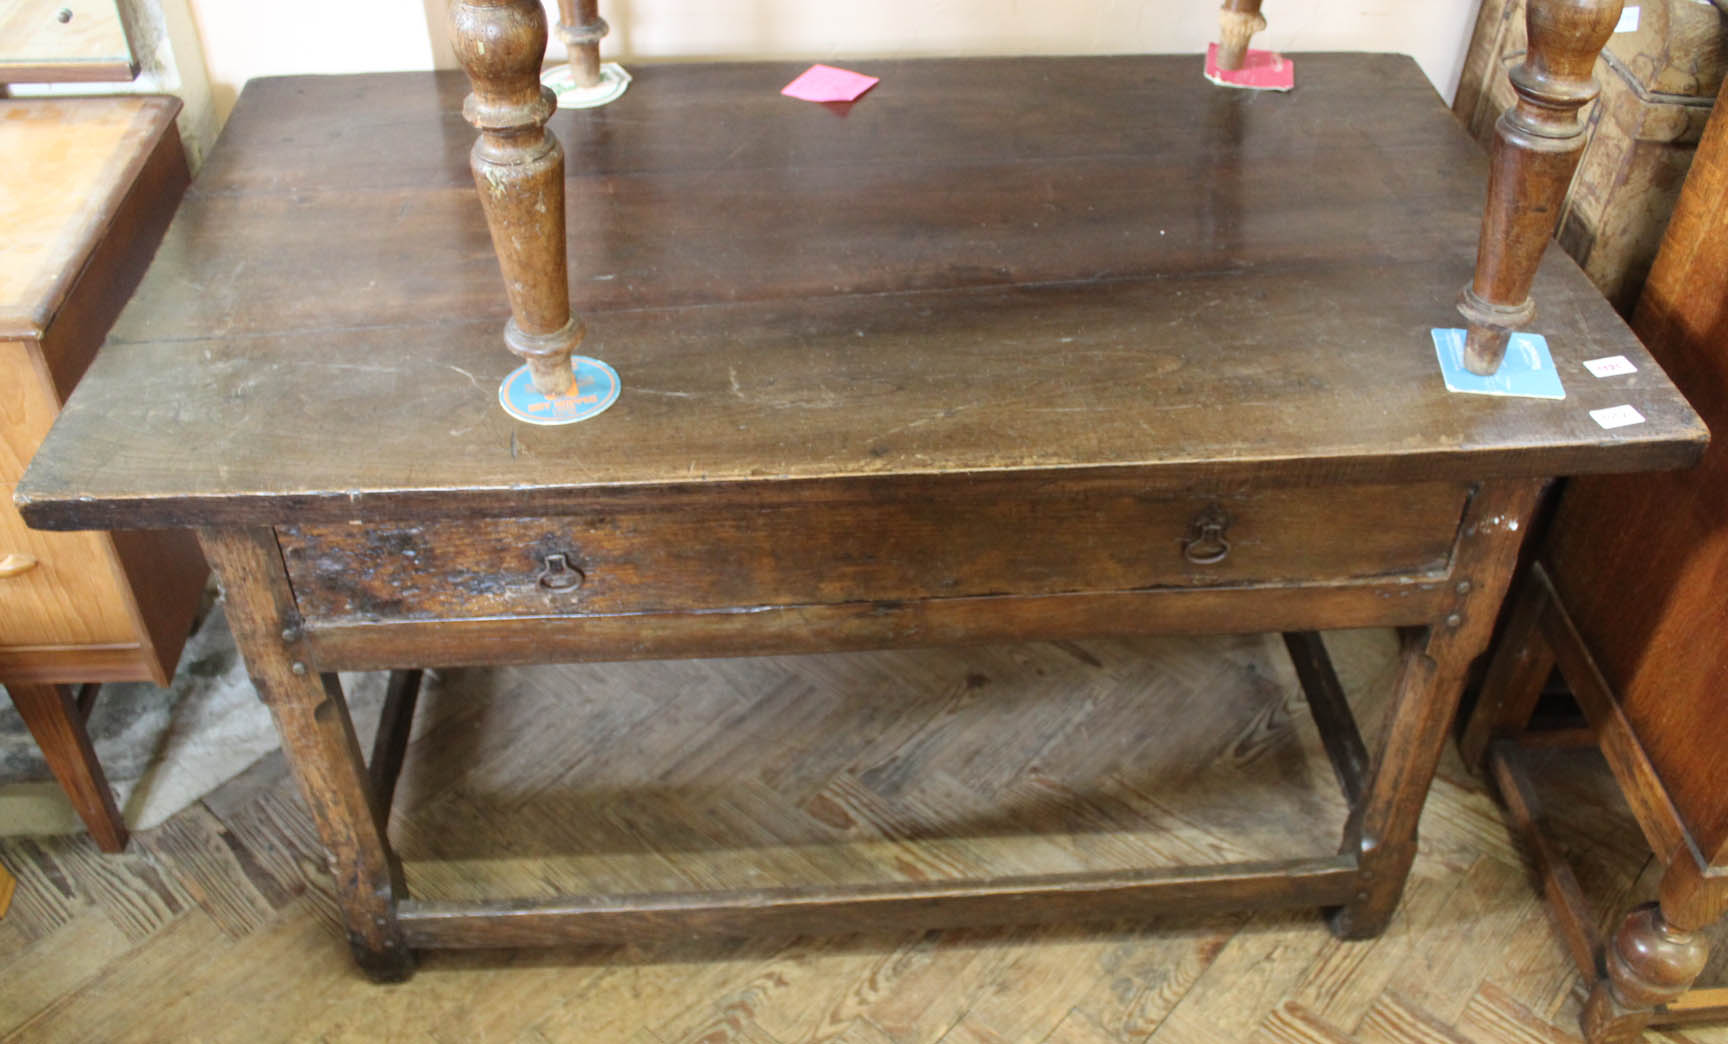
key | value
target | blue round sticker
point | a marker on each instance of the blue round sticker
(595, 389)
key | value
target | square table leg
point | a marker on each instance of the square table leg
(56, 720)
(318, 737)
(1382, 827)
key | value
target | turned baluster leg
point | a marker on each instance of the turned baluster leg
(1536, 147)
(1656, 954)
(581, 28)
(1238, 21)
(519, 170)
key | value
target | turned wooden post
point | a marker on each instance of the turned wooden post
(581, 28)
(1656, 954)
(1536, 147)
(1238, 21)
(519, 170)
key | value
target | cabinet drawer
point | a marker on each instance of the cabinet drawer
(72, 594)
(27, 409)
(803, 552)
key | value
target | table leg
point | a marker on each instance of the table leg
(57, 722)
(1536, 148)
(1522, 662)
(318, 736)
(1381, 831)
(1659, 949)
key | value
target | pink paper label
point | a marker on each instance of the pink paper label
(1261, 71)
(824, 83)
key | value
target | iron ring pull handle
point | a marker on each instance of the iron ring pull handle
(1206, 543)
(559, 576)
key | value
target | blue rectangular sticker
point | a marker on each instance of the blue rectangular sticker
(1526, 372)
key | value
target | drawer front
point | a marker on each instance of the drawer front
(808, 553)
(56, 589)
(60, 589)
(27, 409)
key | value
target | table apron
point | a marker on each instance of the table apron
(1383, 602)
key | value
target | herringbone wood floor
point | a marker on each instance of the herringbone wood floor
(218, 926)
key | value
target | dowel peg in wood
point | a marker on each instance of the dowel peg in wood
(519, 171)
(1536, 148)
(1238, 21)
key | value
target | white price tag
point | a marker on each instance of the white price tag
(1617, 416)
(1610, 366)
(1628, 21)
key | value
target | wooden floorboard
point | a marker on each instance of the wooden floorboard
(841, 770)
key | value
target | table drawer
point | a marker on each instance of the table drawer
(802, 552)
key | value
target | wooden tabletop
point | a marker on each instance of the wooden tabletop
(983, 266)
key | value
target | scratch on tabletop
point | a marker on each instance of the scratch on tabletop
(471, 379)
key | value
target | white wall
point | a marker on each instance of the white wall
(243, 38)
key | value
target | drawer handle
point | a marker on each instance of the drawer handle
(1206, 543)
(16, 564)
(559, 575)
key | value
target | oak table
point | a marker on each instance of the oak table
(1010, 349)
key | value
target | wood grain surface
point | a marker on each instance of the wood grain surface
(1641, 565)
(772, 630)
(70, 165)
(1134, 271)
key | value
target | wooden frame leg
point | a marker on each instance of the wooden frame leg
(53, 715)
(395, 723)
(1381, 831)
(1522, 662)
(1331, 710)
(318, 736)
(1656, 954)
